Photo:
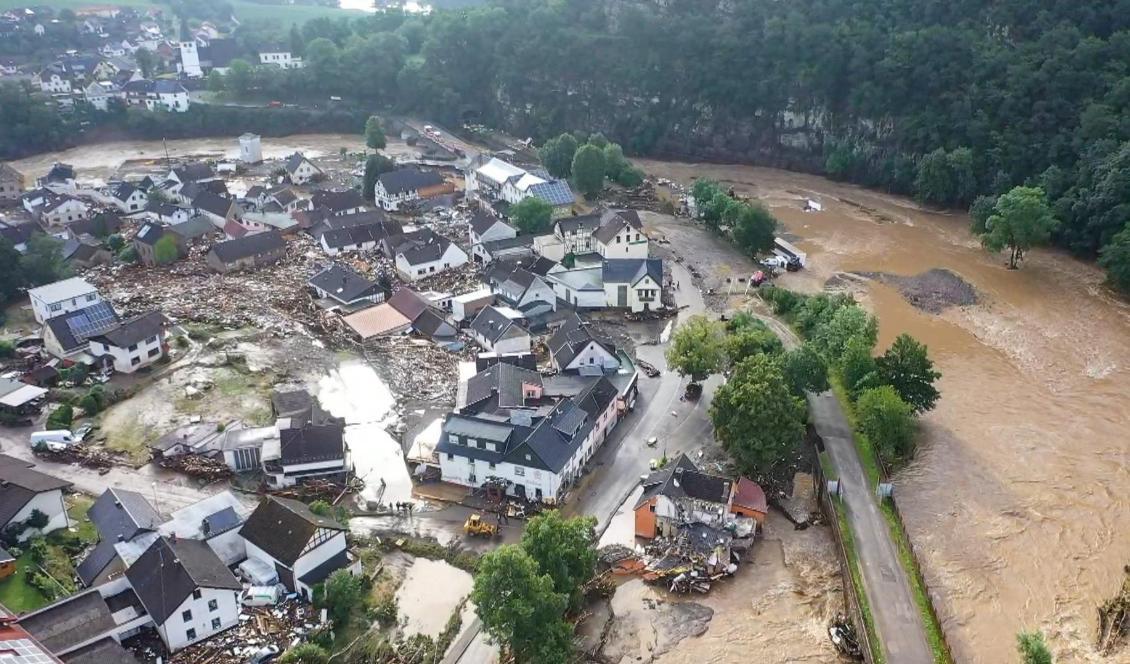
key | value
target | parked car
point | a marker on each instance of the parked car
(264, 654)
(83, 432)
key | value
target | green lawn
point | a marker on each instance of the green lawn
(16, 593)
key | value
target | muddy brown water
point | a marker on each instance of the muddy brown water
(1019, 499)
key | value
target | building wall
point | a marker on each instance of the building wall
(550, 247)
(645, 520)
(304, 173)
(516, 341)
(460, 469)
(539, 291)
(320, 554)
(628, 243)
(44, 310)
(144, 354)
(594, 355)
(499, 231)
(66, 213)
(51, 504)
(452, 258)
(291, 473)
(175, 630)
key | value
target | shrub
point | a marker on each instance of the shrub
(61, 417)
(7, 348)
(887, 421)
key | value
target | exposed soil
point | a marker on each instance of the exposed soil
(932, 291)
(644, 624)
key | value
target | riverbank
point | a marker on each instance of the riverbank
(1003, 473)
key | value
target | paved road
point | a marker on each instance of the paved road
(897, 619)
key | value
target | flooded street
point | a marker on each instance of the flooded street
(356, 393)
(1018, 501)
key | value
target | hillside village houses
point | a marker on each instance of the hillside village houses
(25, 491)
(280, 57)
(395, 189)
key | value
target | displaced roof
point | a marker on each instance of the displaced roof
(520, 241)
(149, 233)
(282, 527)
(683, 479)
(258, 244)
(749, 494)
(66, 289)
(409, 179)
(631, 270)
(194, 172)
(134, 330)
(73, 329)
(171, 569)
(343, 284)
(376, 321)
(357, 235)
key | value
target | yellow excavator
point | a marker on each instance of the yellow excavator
(475, 525)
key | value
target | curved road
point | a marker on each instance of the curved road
(898, 622)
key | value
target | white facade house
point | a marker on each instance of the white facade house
(635, 284)
(300, 169)
(523, 290)
(133, 344)
(423, 253)
(280, 58)
(250, 148)
(99, 93)
(394, 189)
(128, 198)
(53, 83)
(24, 492)
(298, 453)
(619, 239)
(500, 330)
(62, 297)
(582, 287)
(302, 547)
(492, 179)
(574, 348)
(190, 59)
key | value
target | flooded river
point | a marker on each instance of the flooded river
(1019, 500)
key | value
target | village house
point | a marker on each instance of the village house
(219, 209)
(128, 198)
(53, 82)
(26, 494)
(633, 283)
(301, 170)
(196, 171)
(84, 251)
(338, 203)
(119, 516)
(99, 93)
(12, 183)
(396, 188)
(522, 289)
(493, 180)
(62, 297)
(60, 179)
(342, 289)
(19, 234)
(423, 253)
(512, 429)
(54, 210)
(406, 310)
(67, 336)
(499, 330)
(133, 344)
(319, 221)
(303, 548)
(574, 348)
(166, 213)
(620, 235)
(186, 589)
(356, 237)
(250, 148)
(247, 252)
(279, 57)
(484, 227)
(304, 452)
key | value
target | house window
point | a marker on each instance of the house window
(215, 623)
(213, 605)
(190, 635)
(450, 456)
(186, 616)
(90, 298)
(491, 465)
(471, 442)
(454, 439)
(135, 361)
(133, 347)
(519, 471)
(57, 306)
(196, 594)
(651, 508)
(492, 447)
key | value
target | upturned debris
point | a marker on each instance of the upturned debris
(1114, 620)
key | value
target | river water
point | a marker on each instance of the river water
(1018, 502)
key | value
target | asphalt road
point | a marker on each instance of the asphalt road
(898, 622)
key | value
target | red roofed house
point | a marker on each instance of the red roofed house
(749, 500)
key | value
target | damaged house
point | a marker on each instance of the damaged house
(422, 253)
(499, 330)
(246, 252)
(339, 288)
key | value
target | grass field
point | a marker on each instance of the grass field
(15, 591)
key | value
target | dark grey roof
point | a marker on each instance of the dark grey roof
(493, 325)
(134, 330)
(284, 196)
(103, 651)
(6, 557)
(343, 284)
(123, 190)
(213, 203)
(500, 386)
(69, 621)
(221, 522)
(73, 329)
(336, 201)
(353, 235)
(255, 191)
(419, 247)
(409, 179)
(60, 172)
(320, 573)
(122, 513)
(20, 233)
(281, 527)
(257, 244)
(484, 361)
(585, 223)
(166, 87)
(571, 339)
(220, 52)
(311, 443)
(149, 233)
(194, 171)
(96, 561)
(483, 221)
(433, 325)
(194, 189)
(103, 223)
(19, 484)
(409, 303)
(162, 209)
(171, 569)
(193, 228)
(631, 270)
(492, 246)
(294, 161)
(683, 479)
(541, 266)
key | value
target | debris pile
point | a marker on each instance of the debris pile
(319, 489)
(197, 465)
(416, 367)
(81, 453)
(280, 626)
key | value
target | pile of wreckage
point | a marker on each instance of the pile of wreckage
(697, 525)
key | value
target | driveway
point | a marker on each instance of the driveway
(898, 621)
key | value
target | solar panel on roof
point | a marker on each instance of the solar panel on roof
(92, 321)
(554, 193)
(221, 521)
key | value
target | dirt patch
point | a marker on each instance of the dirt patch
(644, 624)
(932, 291)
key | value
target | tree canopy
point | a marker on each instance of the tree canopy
(557, 155)
(756, 416)
(588, 170)
(564, 549)
(375, 133)
(1021, 219)
(697, 348)
(1032, 648)
(165, 250)
(531, 215)
(805, 370)
(907, 367)
(887, 421)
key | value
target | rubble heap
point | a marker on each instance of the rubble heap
(280, 626)
(417, 367)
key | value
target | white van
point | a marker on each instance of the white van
(55, 440)
(262, 595)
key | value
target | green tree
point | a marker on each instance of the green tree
(165, 250)
(531, 215)
(61, 417)
(43, 262)
(518, 606)
(146, 62)
(980, 212)
(749, 341)
(846, 323)
(564, 549)
(557, 155)
(341, 595)
(239, 76)
(754, 229)
(375, 134)
(339, 513)
(588, 170)
(216, 81)
(907, 367)
(697, 348)
(887, 421)
(630, 176)
(615, 162)
(375, 165)
(1115, 259)
(858, 370)
(598, 140)
(703, 190)
(718, 209)
(1021, 219)
(305, 653)
(756, 416)
(11, 274)
(805, 370)
(1032, 648)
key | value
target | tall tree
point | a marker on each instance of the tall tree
(588, 170)
(805, 370)
(375, 165)
(11, 274)
(374, 133)
(557, 155)
(751, 340)
(519, 607)
(887, 421)
(755, 228)
(531, 215)
(1021, 220)
(165, 251)
(907, 367)
(857, 367)
(697, 348)
(146, 62)
(43, 262)
(565, 549)
(1032, 648)
(342, 594)
(1115, 258)
(846, 323)
(756, 416)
